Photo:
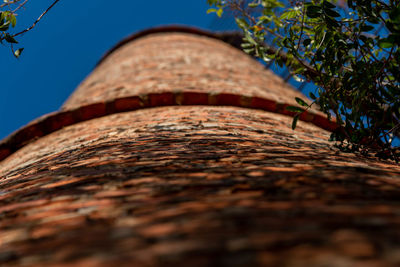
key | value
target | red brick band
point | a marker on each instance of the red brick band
(54, 121)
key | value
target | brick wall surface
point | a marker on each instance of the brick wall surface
(169, 62)
(192, 185)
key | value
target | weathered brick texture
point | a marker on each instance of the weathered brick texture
(191, 185)
(178, 61)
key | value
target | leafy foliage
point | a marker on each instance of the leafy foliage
(8, 20)
(335, 45)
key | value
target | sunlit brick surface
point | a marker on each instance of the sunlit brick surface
(178, 61)
(196, 186)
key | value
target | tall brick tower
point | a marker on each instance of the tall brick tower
(177, 151)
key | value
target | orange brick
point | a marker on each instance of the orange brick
(228, 100)
(28, 133)
(194, 98)
(127, 103)
(161, 99)
(264, 104)
(324, 123)
(60, 120)
(92, 111)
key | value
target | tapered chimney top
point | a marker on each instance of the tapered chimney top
(173, 59)
(172, 65)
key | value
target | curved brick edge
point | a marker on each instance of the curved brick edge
(54, 121)
(233, 38)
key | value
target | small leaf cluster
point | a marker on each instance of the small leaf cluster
(349, 51)
(298, 110)
(217, 7)
(8, 20)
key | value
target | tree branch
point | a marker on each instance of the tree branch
(38, 19)
(9, 3)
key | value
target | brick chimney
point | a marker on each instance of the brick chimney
(177, 151)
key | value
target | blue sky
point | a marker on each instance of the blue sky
(67, 43)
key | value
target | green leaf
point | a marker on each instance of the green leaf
(211, 10)
(249, 38)
(18, 52)
(394, 15)
(298, 78)
(332, 13)
(12, 19)
(294, 109)
(4, 14)
(331, 22)
(241, 23)
(313, 11)
(248, 51)
(267, 58)
(306, 42)
(253, 5)
(301, 102)
(294, 122)
(219, 12)
(10, 39)
(289, 14)
(367, 28)
(5, 26)
(312, 96)
(385, 43)
(265, 19)
(246, 45)
(213, 2)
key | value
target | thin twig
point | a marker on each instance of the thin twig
(19, 6)
(9, 3)
(236, 6)
(302, 25)
(38, 19)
